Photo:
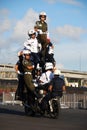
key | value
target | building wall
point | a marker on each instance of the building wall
(7, 72)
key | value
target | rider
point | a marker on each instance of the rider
(33, 45)
(35, 48)
(42, 29)
(19, 71)
(56, 87)
(28, 67)
(46, 77)
(49, 55)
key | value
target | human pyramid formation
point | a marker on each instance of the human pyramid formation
(36, 60)
(39, 44)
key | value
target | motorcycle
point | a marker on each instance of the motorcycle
(33, 108)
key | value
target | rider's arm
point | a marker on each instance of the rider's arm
(50, 88)
(64, 88)
(16, 68)
(27, 45)
(30, 67)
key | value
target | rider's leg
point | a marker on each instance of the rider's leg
(45, 101)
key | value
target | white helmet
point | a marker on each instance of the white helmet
(42, 13)
(48, 65)
(26, 52)
(20, 53)
(38, 67)
(30, 32)
(57, 72)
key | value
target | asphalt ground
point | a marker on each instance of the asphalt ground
(12, 117)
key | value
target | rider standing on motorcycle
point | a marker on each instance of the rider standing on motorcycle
(47, 76)
(41, 28)
(34, 46)
(20, 73)
(28, 67)
(49, 55)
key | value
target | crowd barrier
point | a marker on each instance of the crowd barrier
(75, 101)
(9, 98)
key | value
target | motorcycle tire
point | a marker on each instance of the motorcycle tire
(28, 111)
(56, 107)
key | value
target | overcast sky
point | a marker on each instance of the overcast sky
(67, 25)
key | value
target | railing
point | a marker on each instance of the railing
(9, 98)
(75, 101)
(8, 75)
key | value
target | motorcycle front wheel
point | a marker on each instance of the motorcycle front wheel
(56, 107)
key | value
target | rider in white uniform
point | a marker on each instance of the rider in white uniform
(47, 76)
(33, 45)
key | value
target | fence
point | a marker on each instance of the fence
(74, 101)
(9, 98)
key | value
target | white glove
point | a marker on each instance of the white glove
(39, 46)
(51, 50)
(18, 72)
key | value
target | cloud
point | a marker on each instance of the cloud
(16, 31)
(71, 55)
(13, 35)
(70, 32)
(71, 2)
(5, 23)
(4, 12)
(5, 26)
(22, 26)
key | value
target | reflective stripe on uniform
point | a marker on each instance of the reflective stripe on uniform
(27, 73)
(44, 32)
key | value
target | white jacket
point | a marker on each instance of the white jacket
(46, 77)
(33, 45)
